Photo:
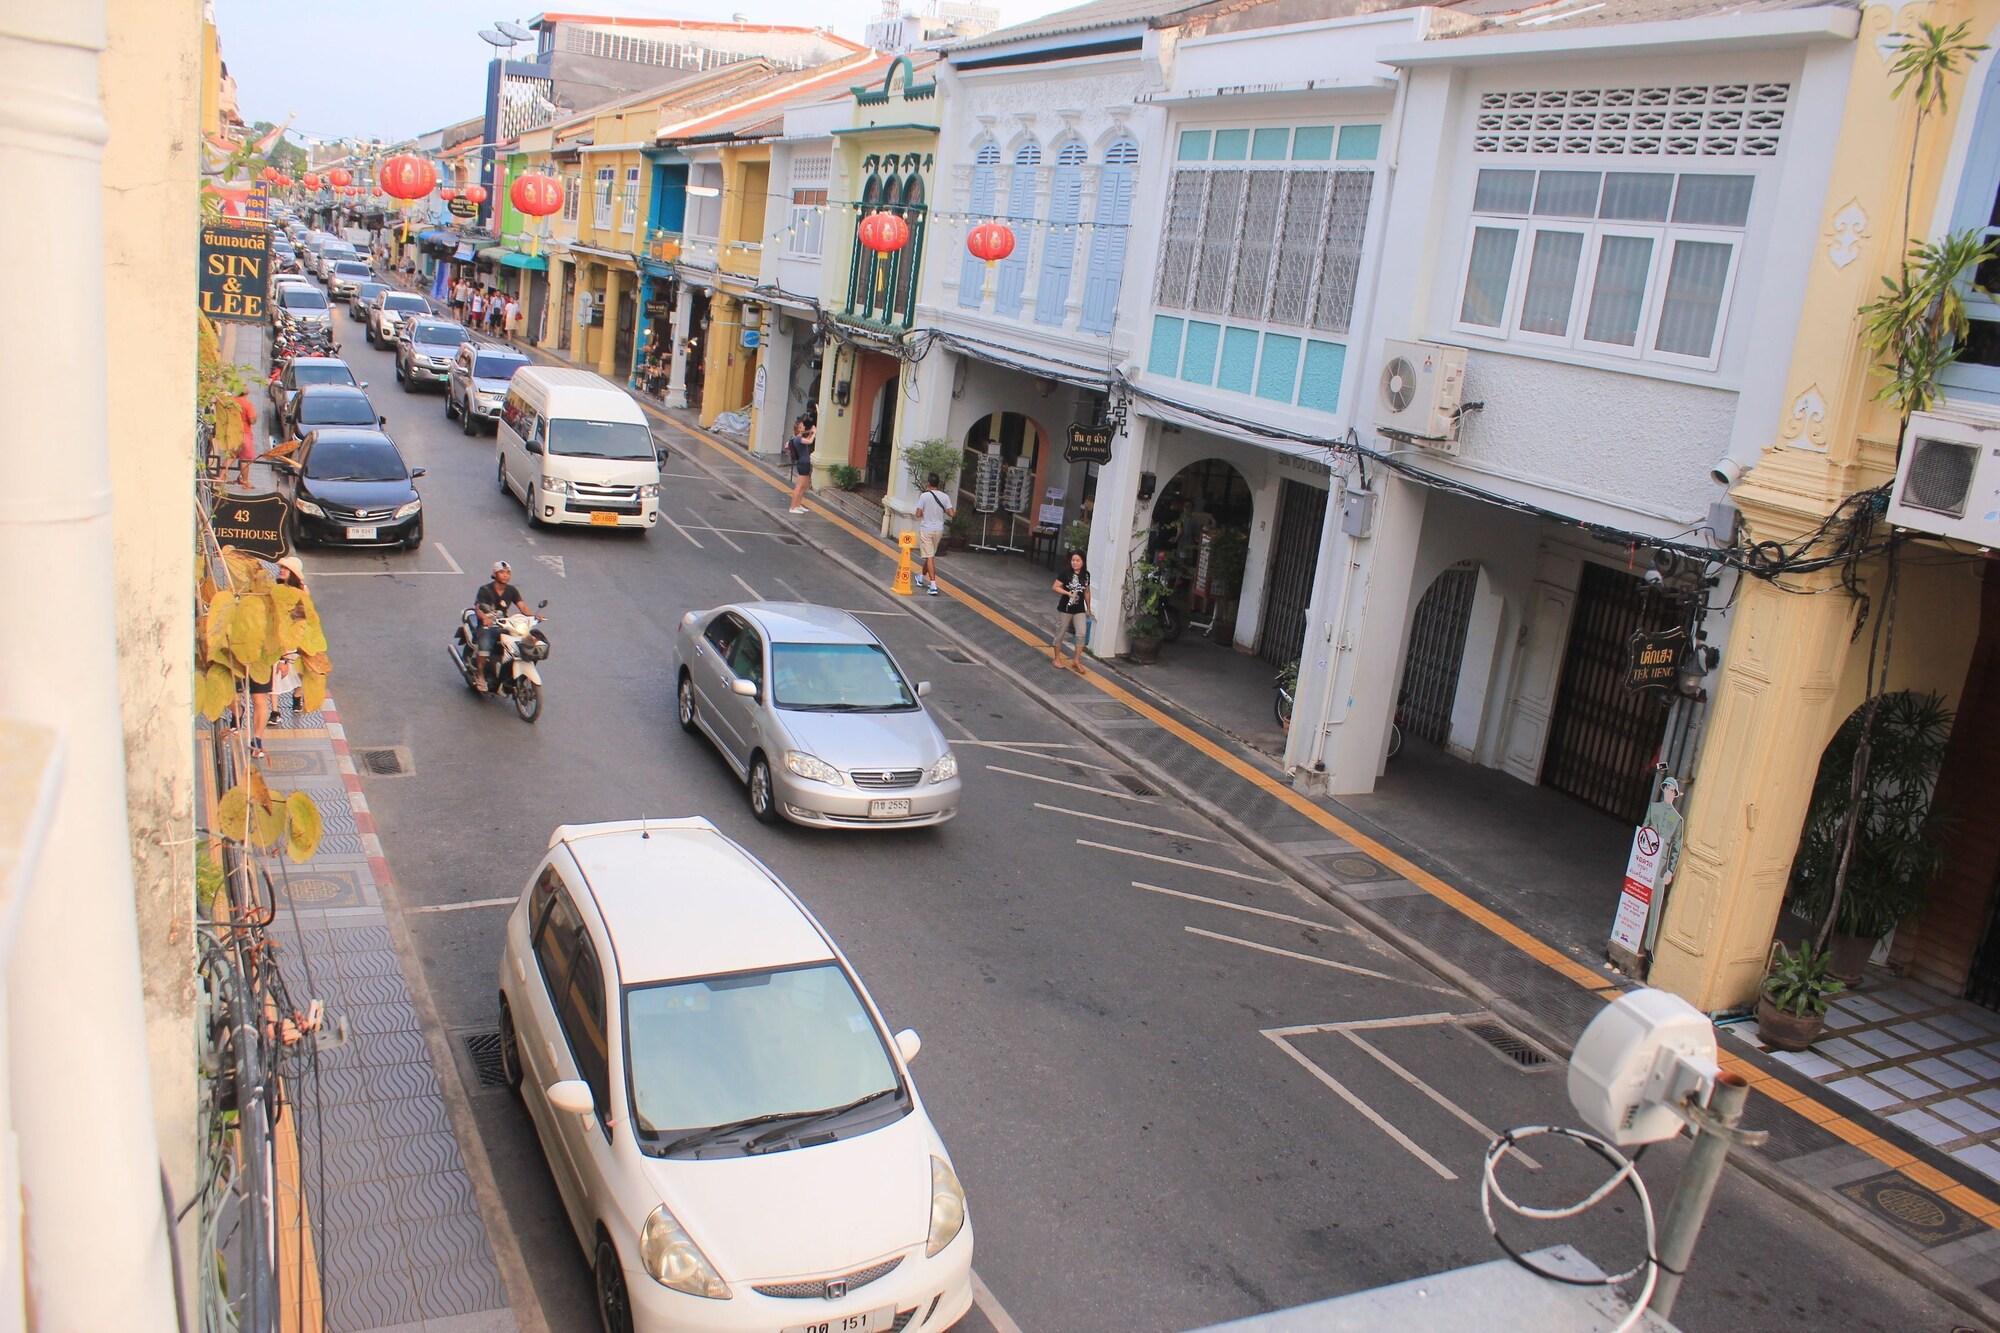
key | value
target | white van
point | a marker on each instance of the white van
(577, 449)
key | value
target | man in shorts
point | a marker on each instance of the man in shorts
(933, 509)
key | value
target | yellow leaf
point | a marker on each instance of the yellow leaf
(319, 662)
(250, 635)
(286, 598)
(267, 825)
(232, 813)
(215, 629)
(214, 690)
(312, 686)
(302, 827)
(260, 790)
(207, 589)
(307, 635)
(244, 568)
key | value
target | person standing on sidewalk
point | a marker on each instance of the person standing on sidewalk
(477, 306)
(934, 508)
(1072, 612)
(512, 320)
(800, 450)
(246, 447)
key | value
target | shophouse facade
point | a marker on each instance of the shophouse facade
(792, 284)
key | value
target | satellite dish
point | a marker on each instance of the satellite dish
(492, 38)
(514, 30)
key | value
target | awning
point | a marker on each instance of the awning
(434, 234)
(515, 259)
(492, 254)
(465, 254)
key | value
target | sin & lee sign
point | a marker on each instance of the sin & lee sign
(235, 272)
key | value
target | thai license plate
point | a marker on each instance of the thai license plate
(603, 519)
(889, 809)
(361, 534)
(870, 1322)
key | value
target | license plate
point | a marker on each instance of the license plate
(870, 1322)
(361, 534)
(889, 809)
(603, 519)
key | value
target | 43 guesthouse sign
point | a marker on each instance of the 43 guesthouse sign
(235, 271)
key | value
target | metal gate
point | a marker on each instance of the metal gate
(1294, 557)
(1603, 737)
(1437, 648)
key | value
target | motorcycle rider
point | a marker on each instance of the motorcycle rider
(491, 602)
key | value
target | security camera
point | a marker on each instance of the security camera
(1654, 578)
(1727, 472)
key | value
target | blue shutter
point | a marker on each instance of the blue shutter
(1013, 280)
(985, 188)
(1059, 251)
(1107, 242)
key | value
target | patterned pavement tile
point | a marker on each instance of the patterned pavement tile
(376, 1300)
(420, 1154)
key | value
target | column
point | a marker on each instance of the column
(1113, 520)
(923, 412)
(677, 386)
(579, 338)
(724, 330)
(607, 330)
(1265, 498)
(770, 412)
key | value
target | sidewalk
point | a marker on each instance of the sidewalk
(1877, 1181)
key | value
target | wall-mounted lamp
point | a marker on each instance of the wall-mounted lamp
(703, 191)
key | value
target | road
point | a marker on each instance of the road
(1138, 1039)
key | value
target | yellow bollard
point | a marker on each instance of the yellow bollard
(901, 587)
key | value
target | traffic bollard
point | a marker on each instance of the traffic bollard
(904, 569)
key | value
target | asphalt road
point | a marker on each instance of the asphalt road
(1096, 971)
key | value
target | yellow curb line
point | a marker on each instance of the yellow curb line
(301, 1304)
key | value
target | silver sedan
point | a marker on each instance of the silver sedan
(814, 715)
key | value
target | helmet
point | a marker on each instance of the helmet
(499, 565)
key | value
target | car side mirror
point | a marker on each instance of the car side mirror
(572, 1095)
(746, 688)
(533, 446)
(381, 421)
(364, 384)
(416, 472)
(909, 1043)
(923, 688)
(282, 464)
(661, 455)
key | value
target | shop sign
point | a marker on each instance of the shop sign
(750, 337)
(253, 523)
(257, 206)
(1655, 846)
(1654, 658)
(235, 271)
(1088, 444)
(463, 208)
(757, 387)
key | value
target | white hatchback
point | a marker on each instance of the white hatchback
(732, 1129)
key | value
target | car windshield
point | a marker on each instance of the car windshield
(496, 367)
(368, 291)
(348, 268)
(336, 409)
(302, 298)
(446, 335)
(355, 460)
(600, 439)
(837, 678)
(404, 301)
(328, 374)
(726, 1049)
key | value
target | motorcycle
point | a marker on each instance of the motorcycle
(292, 340)
(511, 671)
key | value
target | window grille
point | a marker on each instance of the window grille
(1689, 120)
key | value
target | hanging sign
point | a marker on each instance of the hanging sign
(757, 387)
(1088, 444)
(1655, 847)
(253, 523)
(462, 207)
(1653, 660)
(751, 337)
(257, 205)
(235, 272)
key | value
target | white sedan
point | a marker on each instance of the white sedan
(732, 1128)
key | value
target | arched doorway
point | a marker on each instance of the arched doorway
(1001, 507)
(1203, 517)
(881, 425)
(1435, 654)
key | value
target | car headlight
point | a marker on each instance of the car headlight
(308, 507)
(650, 491)
(676, 1261)
(814, 768)
(556, 486)
(404, 511)
(947, 1207)
(944, 770)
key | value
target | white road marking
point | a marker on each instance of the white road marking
(460, 907)
(681, 530)
(1122, 823)
(1340, 1089)
(1370, 1024)
(447, 558)
(1022, 745)
(755, 596)
(740, 532)
(982, 1296)
(1036, 753)
(688, 476)
(852, 612)
(797, 596)
(554, 564)
(1253, 911)
(1453, 1108)
(1178, 861)
(720, 532)
(965, 732)
(1309, 958)
(1077, 786)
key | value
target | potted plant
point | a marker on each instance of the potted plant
(1870, 845)
(845, 476)
(939, 456)
(1147, 589)
(1791, 1010)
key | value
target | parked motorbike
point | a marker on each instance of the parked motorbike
(511, 671)
(290, 340)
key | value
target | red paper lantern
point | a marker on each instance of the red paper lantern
(990, 241)
(447, 194)
(341, 176)
(536, 195)
(312, 180)
(475, 194)
(884, 233)
(408, 177)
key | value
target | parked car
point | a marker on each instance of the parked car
(319, 405)
(363, 293)
(478, 383)
(304, 304)
(813, 713)
(387, 312)
(424, 349)
(347, 275)
(351, 487)
(302, 371)
(733, 1131)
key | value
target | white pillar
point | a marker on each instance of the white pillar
(771, 422)
(923, 412)
(1113, 518)
(94, 1230)
(677, 382)
(1264, 501)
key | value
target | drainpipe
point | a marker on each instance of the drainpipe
(94, 1232)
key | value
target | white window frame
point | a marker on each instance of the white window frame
(606, 181)
(1519, 226)
(630, 220)
(1710, 236)
(1524, 268)
(1647, 298)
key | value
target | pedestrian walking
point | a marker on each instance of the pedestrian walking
(1073, 611)
(799, 450)
(478, 306)
(934, 507)
(496, 313)
(286, 684)
(511, 321)
(246, 448)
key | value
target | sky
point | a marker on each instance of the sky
(390, 69)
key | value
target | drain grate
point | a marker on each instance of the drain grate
(791, 541)
(384, 761)
(1134, 785)
(484, 1050)
(1509, 1045)
(951, 654)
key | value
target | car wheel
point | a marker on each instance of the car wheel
(614, 1307)
(763, 801)
(684, 704)
(500, 474)
(466, 423)
(449, 406)
(510, 1047)
(399, 375)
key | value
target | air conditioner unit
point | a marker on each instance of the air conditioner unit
(1419, 391)
(1948, 479)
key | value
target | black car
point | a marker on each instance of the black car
(350, 487)
(302, 371)
(424, 350)
(364, 292)
(319, 405)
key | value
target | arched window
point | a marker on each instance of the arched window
(1112, 221)
(1021, 191)
(862, 278)
(903, 276)
(979, 202)
(1059, 251)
